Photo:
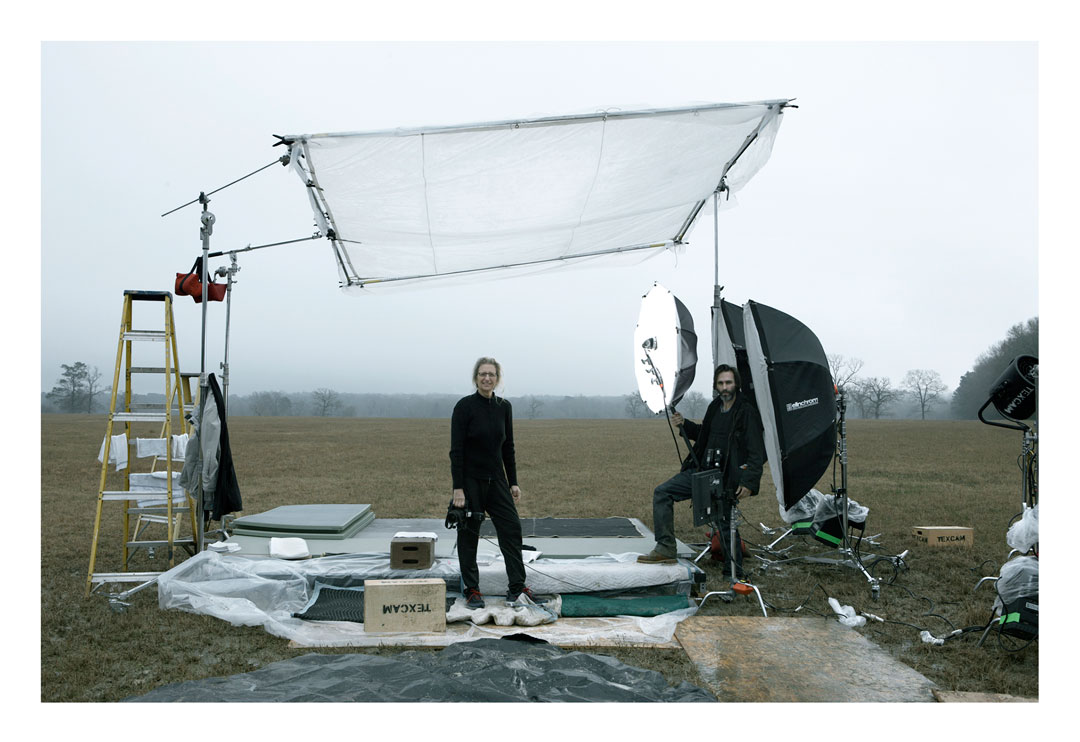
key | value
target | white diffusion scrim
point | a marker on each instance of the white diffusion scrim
(656, 339)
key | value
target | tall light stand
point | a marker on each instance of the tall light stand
(207, 219)
(846, 556)
(227, 273)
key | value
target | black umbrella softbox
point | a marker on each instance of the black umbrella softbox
(796, 399)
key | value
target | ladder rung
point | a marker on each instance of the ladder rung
(139, 417)
(121, 495)
(161, 370)
(154, 335)
(100, 577)
(175, 541)
(158, 510)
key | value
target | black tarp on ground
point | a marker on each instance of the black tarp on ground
(487, 670)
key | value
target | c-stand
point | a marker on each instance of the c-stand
(715, 504)
(846, 555)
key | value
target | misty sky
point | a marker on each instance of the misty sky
(897, 216)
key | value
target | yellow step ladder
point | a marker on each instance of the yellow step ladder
(148, 507)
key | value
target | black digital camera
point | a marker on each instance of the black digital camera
(456, 517)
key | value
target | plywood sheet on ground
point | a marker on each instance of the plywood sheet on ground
(566, 632)
(750, 659)
(955, 696)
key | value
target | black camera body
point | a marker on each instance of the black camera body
(457, 517)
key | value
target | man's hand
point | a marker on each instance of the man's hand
(516, 492)
(677, 418)
(740, 491)
(459, 498)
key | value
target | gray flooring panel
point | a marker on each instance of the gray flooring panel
(334, 518)
(375, 539)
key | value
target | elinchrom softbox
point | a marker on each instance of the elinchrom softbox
(796, 399)
(664, 341)
(729, 344)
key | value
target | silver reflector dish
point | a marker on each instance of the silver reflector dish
(665, 349)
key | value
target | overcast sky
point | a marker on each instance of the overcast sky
(897, 216)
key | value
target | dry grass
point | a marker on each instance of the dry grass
(907, 472)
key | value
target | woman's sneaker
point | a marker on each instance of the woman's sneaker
(525, 597)
(473, 599)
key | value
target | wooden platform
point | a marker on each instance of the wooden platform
(750, 659)
(955, 696)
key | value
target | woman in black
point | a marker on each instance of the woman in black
(484, 474)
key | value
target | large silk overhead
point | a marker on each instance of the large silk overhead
(413, 204)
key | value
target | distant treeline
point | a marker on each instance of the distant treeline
(330, 403)
(921, 394)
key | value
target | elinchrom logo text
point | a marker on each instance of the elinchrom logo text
(792, 406)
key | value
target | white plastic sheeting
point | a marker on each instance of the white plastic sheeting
(266, 592)
(411, 204)
(1024, 533)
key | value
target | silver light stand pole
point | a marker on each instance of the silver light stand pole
(717, 309)
(841, 451)
(227, 273)
(204, 387)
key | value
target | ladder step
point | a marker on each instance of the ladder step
(121, 495)
(100, 577)
(159, 510)
(138, 295)
(161, 370)
(139, 417)
(153, 335)
(155, 544)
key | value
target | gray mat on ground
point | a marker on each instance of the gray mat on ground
(486, 670)
(570, 528)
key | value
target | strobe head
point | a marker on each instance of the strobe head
(1015, 393)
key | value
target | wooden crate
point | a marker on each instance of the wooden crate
(404, 605)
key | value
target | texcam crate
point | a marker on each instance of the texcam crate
(943, 535)
(412, 552)
(405, 605)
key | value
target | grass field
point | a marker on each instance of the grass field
(909, 473)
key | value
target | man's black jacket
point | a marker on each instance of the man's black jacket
(745, 453)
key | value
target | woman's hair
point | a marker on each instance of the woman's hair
(490, 361)
(721, 369)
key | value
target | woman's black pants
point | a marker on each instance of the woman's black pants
(493, 497)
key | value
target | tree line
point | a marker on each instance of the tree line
(920, 394)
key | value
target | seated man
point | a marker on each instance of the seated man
(729, 437)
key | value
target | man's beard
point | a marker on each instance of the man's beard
(727, 396)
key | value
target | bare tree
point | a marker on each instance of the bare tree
(844, 370)
(535, 406)
(635, 405)
(924, 386)
(94, 387)
(877, 394)
(694, 405)
(270, 404)
(325, 402)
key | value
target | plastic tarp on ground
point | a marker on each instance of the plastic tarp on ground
(480, 672)
(405, 205)
(267, 592)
